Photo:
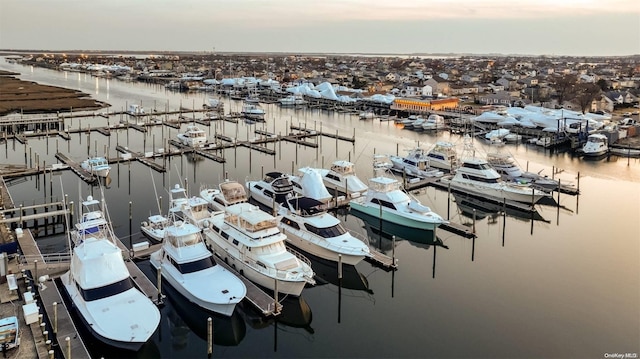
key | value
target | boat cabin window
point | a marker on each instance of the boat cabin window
(333, 177)
(235, 242)
(261, 264)
(219, 201)
(383, 203)
(224, 234)
(477, 166)
(290, 223)
(409, 162)
(329, 232)
(268, 193)
(196, 266)
(433, 155)
(480, 179)
(258, 187)
(107, 290)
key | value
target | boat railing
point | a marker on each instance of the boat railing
(299, 255)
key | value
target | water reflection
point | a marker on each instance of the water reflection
(381, 233)
(328, 272)
(492, 211)
(185, 317)
(295, 313)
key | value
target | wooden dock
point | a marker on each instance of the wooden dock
(65, 326)
(141, 280)
(325, 134)
(381, 259)
(19, 217)
(77, 169)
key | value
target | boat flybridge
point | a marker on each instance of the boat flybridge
(415, 163)
(310, 228)
(443, 155)
(97, 166)
(341, 177)
(249, 240)
(189, 267)
(193, 136)
(509, 169)
(228, 193)
(272, 190)
(100, 287)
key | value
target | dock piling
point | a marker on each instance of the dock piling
(209, 336)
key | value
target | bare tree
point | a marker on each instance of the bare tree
(585, 93)
(564, 86)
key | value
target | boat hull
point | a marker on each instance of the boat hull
(225, 309)
(284, 286)
(72, 293)
(392, 217)
(496, 194)
(321, 252)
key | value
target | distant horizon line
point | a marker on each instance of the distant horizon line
(208, 52)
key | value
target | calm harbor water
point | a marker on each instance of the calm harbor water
(564, 285)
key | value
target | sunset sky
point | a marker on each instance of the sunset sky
(530, 27)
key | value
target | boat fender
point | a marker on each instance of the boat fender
(144, 224)
(206, 223)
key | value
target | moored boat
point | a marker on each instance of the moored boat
(189, 267)
(97, 166)
(100, 287)
(250, 241)
(386, 200)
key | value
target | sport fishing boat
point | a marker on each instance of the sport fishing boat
(100, 287)
(97, 166)
(249, 240)
(193, 136)
(189, 267)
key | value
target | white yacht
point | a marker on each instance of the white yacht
(476, 177)
(136, 110)
(415, 163)
(386, 200)
(507, 167)
(252, 111)
(193, 136)
(250, 241)
(292, 101)
(274, 186)
(416, 125)
(596, 145)
(341, 177)
(97, 166)
(433, 122)
(153, 227)
(188, 266)
(100, 287)
(367, 115)
(443, 155)
(229, 193)
(310, 228)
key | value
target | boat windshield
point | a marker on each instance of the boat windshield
(328, 232)
(196, 266)
(107, 290)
